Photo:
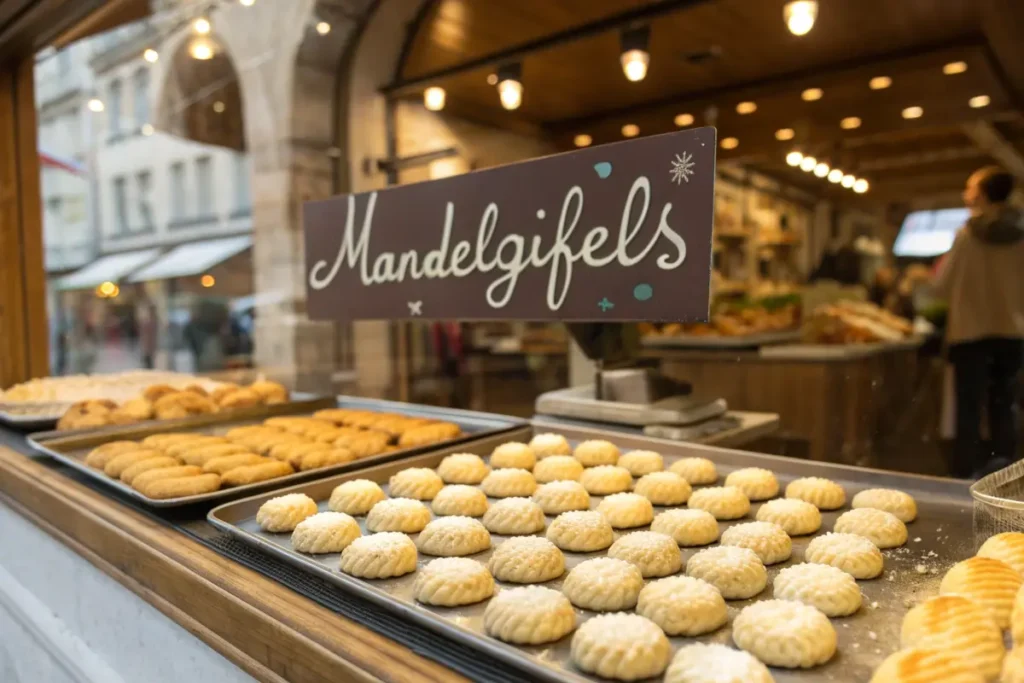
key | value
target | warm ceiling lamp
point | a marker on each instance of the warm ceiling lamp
(800, 16)
(201, 26)
(879, 82)
(635, 57)
(492, 79)
(794, 158)
(147, 129)
(323, 28)
(630, 130)
(835, 175)
(848, 181)
(219, 106)
(954, 68)
(811, 94)
(730, 143)
(246, 3)
(784, 134)
(821, 169)
(433, 98)
(860, 186)
(683, 120)
(201, 49)
(913, 112)
(207, 280)
(849, 123)
(582, 140)
(510, 86)
(979, 101)
(808, 164)
(151, 55)
(96, 105)
(746, 108)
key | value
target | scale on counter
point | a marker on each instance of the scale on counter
(626, 395)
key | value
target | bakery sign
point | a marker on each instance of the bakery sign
(611, 233)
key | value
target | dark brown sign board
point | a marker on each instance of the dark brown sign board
(619, 232)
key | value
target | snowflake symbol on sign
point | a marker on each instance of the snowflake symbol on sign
(682, 168)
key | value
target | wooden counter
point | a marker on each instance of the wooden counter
(270, 632)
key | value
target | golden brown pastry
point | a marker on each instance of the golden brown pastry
(293, 453)
(164, 441)
(139, 408)
(157, 391)
(223, 390)
(153, 463)
(123, 461)
(146, 478)
(181, 487)
(101, 455)
(429, 434)
(226, 463)
(370, 443)
(238, 399)
(335, 415)
(196, 389)
(336, 456)
(191, 443)
(251, 474)
(270, 392)
(202, 454)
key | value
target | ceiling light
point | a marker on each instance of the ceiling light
(433, 98)
(582, 140)
(794, 158)
(811, 94)
(147, 129)
(954, 68)
(510, 87)
(201, 26)
(246, 3)
(879, 82)
(808, 163)
(201, 49)
(821, 169)
(96, 105)
(730, 143)
(151, 55)
(630, 130)
(323, 28)
(746, 108)
(683, 120)
(835, 175)
(913, 112)
(979, 101)
(860, 186)
(849, 123)
(784, 134)
(492, 79)
(219, 107)
(207, 280)
(635, 57)
(848, 181)
(800, 16)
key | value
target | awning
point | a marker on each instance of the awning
(193, 258)
(54, 161)
(109, 268)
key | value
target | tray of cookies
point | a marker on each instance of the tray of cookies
(216, 456)
(576, 554)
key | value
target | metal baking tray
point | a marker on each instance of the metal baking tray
(691, 341)
(71, 448)
(30, 421)
(939, 537)
(579, 403)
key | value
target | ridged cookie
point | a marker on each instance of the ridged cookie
(767, 540)
(687, 527)
(623, 647)
(605, 480)
(558, 468)
(325, 532)
(557, 497)
(683, 606)
(356, 497)
(990, 583)
(283, 513)
(530, 615)
(640, 463)
(663, 488)
(697, 471)
(459, 499)
(890, 500)
(880, 527)
(463, 468)
(454, 537)
(603, 584)
(787, 634)
(823, 586)
(1017, 618)
(509, 483)
(1013, 666)
(822, 493)
(527, 559)
(756, 482)
(452, 581)
(923, 665)
(626, 510)
(514, 517)
(652, 553)
(379, 556)
(955, 624)
(550, 444)
(737, 573)
(690, 665)
(855, 555)
(723, 502)
(398, 514)
(1008, 547)
(514, 455)
(796, 517)
(418, 483)
(583, 531)
(594, 452)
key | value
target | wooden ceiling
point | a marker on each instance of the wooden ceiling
(576, 85)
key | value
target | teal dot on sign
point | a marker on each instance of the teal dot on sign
(643, 292)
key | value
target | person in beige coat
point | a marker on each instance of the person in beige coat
(982, 278)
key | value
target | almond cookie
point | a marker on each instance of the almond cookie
(690, 665)
(640, 463)
(768, 540)
(723, 502)
(380, 556)
(687, 527)
(561, 496)
(463, 468)
(626, 510)
(683, 606)
(513, 454)
(261, 471)
(828, 588)
(663, 488)
(881, 528)
(179, 487)
(514, 517)
(398, 514)
(594, 452)
(855, 555)
(283, 513)
(923, 665)
(603, 584)
(530, 615)
(122, 461)
(509, 483)
(895, 502)
(955, 624)
(652, 553)
(603, 480)
(583, 531)
(822, 493)
(1008, 547)
(459, 499)
(325, 532)
(453, 581)
(696, 471)
(558, 468)
(796, 517)
(418, 483)
(756, 482)
(101, 455)
(544, 445)
(453, 537)
(737, 573)
(148, 464)
(990, 583)
(786, 634)
(527, 559)
(356, 497)
(624, 647)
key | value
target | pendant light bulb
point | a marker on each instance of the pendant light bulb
(510, 86)
(848, 181)
(794, 158)
(800, 16)
(433, 98)
(808, 164)
(635, 58)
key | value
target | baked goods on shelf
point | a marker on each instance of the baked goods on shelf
(854, 322)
